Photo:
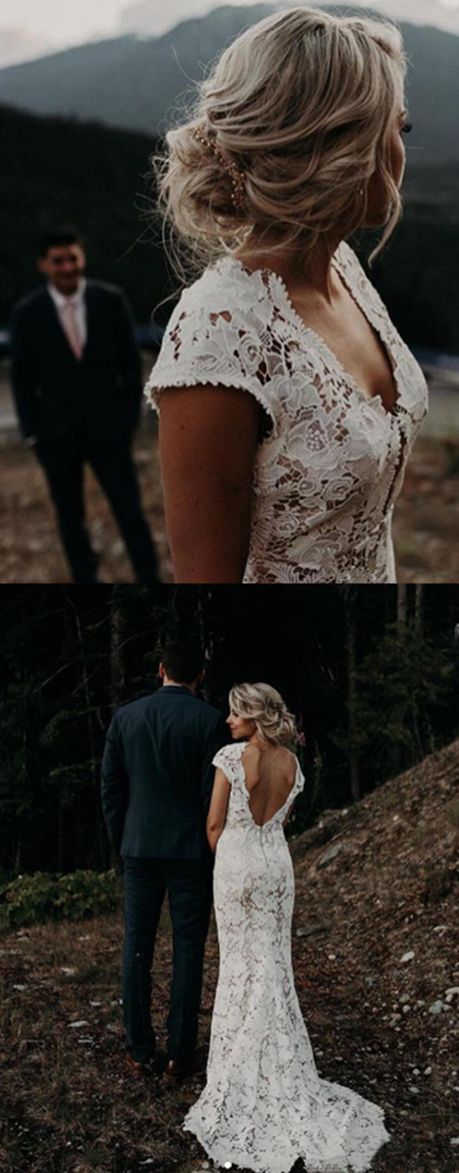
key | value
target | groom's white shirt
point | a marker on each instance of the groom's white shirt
(77, 299)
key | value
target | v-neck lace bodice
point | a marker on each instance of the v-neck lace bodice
(327, 348)
(329, 471)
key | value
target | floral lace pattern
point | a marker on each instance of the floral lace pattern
(329, 470)
(264, 1105)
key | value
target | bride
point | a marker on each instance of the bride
(264, 1105)
(288, 402)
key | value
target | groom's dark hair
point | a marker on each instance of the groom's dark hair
(183, 660)
(57, 237)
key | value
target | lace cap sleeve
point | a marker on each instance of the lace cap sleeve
(224, 761)
(298, 785)
(210, 339)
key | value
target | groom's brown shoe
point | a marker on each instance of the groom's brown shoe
(142, 1070)
(178, 1069)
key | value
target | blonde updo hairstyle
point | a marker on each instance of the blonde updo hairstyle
(303, 105)
(264, 706)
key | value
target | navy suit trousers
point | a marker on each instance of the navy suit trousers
(188, 884)
(63, 464)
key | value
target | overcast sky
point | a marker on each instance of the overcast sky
(65, 22)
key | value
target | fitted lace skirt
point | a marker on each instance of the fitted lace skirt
(264, 1104)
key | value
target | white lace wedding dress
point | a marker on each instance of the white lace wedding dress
(264, 1105)
(328, 473)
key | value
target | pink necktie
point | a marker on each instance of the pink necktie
(70, 324)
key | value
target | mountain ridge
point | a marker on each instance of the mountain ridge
(96, 80)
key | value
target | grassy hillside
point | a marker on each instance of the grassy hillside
(374, 947)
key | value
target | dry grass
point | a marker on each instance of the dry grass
(31, 550)
(68, 1105)
(427, 515)
(66, 1099)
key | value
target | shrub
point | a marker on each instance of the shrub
(40, 897)
(85, 893)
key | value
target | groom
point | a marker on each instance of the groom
(156, 783)
(77, 384)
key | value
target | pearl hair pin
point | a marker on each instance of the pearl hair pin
(232, 170)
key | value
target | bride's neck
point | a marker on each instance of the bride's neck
(261, 742)
(312, 271)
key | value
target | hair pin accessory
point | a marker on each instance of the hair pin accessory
(232, 170)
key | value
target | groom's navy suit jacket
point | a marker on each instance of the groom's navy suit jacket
(157, 774)
(59, 397)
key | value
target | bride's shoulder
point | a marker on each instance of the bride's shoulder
(228, 297)
(228, 759)
(357, 279)
(298, 776)
(231, 752)
(213, 300)
(350, 264)
(217, 289)
(239, 747)
(290, 758)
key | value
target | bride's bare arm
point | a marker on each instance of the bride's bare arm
(216, 818)
(207, 440)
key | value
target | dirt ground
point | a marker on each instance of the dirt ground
(30, 544)
(426, 517)
(375, 963)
